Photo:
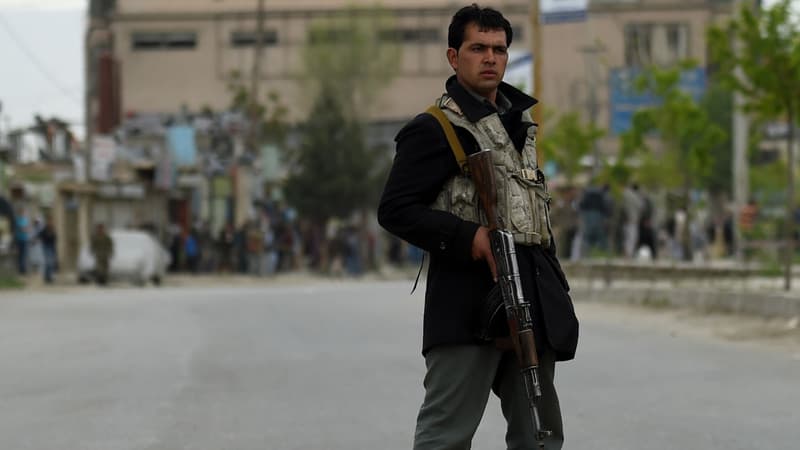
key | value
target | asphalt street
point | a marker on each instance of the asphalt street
(336, 365)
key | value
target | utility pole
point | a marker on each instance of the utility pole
(4, 140)
(741, 125)
(536, 28)
(255, 80)
(590, 53)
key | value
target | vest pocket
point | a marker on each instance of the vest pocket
(519, 209)
(527, 207)
(463, 199)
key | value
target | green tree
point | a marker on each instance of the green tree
(348, 58)
(343, 167)
(352, 55)
(758, 54)
(673, 140)
(269, 113)
(567, 141)
(670, 143)
(718, 105)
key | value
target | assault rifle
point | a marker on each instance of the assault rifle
(518, 310)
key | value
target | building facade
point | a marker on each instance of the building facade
(165, 55)
(184, 52)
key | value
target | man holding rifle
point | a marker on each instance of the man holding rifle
(465, 186)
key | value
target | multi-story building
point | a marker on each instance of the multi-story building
(165, 55)
(150, 57)
(183, 52)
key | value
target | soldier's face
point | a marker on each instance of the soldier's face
(481, 61)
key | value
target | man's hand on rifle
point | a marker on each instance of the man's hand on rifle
(482, 249)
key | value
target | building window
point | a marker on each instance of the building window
(179, 40)
(518, 32)
(248, 38)
(656, 44)
(408, 35)
(330, 35)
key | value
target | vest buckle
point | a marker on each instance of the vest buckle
(529, 174)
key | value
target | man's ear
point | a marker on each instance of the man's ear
(452, 58)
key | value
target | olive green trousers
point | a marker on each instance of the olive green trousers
(457, 386)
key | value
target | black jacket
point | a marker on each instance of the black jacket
(456, 285)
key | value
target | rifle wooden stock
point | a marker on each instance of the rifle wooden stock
(481, 168)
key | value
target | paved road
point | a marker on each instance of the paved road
(336, 366)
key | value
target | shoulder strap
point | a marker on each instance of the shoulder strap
(452, 139)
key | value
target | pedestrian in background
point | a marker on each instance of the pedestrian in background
(595, 210)
(191, 249)
(22, 234)
(255, 247)
(47, 240)
(632, 205)
(102, 248)
(647, 232)
(225, 243)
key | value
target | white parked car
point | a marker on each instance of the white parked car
(137, 257)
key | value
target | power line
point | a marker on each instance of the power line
(36, 62)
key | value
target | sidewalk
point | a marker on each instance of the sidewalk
(616, 283)
(68, 280)
(725, 286)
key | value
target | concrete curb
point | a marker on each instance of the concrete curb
(760, 303)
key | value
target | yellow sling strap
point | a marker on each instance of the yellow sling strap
(452, 139)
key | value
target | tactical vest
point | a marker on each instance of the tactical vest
(522, 197)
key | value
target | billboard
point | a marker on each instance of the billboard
(624, 100)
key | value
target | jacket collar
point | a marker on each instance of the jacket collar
(475, 110)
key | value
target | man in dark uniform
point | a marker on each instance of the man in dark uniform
(102, 248)
(426, 203)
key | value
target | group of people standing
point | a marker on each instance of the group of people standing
(594, 222)
(35, 245)
(270, 244)
(255, 247)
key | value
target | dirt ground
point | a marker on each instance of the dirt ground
(780, 335)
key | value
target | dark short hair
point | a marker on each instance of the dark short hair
(485, 18)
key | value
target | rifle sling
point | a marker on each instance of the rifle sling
(452, 138)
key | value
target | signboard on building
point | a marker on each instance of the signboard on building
(79, 167)
(133, 191)
(272, 170)
(560, 11)
(165, 173)
(104, 150)
(180, 139)
(625, 100)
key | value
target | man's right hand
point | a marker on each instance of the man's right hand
(482, 249)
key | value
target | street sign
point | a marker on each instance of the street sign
(519, 71)
(561, 11)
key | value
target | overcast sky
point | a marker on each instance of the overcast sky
(41, 55)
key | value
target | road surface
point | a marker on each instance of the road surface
(335, 365)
